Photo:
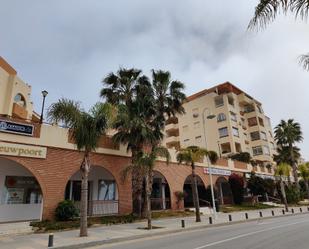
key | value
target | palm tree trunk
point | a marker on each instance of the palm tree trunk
(283, 195)
(195, 195)
(148, 196)
(85, 168)
(295, 173)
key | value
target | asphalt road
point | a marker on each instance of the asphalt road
(278, 233)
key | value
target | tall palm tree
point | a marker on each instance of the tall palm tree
(284, 156)
(304, 173)
(144, 106)
(147, 161)
(283, 170)
(190, 156)
(287, 133)
(85, 128)
(267, 10)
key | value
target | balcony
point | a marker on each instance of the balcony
(19, 111)
(172, 142)
(244, 99)
(171, 127)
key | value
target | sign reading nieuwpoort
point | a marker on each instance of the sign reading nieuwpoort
(22, 150)
(17, 128)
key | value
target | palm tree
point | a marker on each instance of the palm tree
(283, 170)
(304, 173)
(85, 128)
(267, 10)
(143, 107)
(190, 156)
(286, 134)
(284, 156)
(147, 161)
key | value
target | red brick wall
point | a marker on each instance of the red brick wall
(54, 172)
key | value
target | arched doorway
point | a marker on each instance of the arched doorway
(102, 191)
(224, 191)
(160, 196)
(20, 193)
(188, 196)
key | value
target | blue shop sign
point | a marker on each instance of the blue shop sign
(16, 128)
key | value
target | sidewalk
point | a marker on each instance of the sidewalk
(108, 234)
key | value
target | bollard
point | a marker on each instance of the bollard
(292, 210)
(307, 208)
(230, 217)
(183, 225)
(51, 240)
(283, 212)
(272, 213)
(246, 214)
(300, 210)
(210, 220)
(261, 214)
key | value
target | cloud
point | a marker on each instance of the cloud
(67, 47)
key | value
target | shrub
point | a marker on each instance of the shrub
(270, 186)
(292, 194)
(66, 211)
(213, 156)
(242, 157)
(237, 186)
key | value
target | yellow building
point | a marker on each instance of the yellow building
(226, 120)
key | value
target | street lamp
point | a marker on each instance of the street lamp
(44, 94)
(210, 116)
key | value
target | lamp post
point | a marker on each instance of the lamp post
(44, 94)
(209, 164)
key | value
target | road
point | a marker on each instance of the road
(278, 233)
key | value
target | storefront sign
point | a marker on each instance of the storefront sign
(261, 175)
(16, 128)
(22, 150)
(215, 171)
(15, 196)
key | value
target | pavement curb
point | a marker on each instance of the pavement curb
(173, 231)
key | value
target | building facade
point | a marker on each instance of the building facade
(39, 164)
(226, 120)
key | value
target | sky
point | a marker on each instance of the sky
(67, 47)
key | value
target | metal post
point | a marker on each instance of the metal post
(246, 215)
(44, 94)
(261, 214)
(283, 212)
(230, 217)
(183, 225)
(301, 210)
(272, 213)
(292, 210)
(209, 170)
(51, 240)
(210, 220)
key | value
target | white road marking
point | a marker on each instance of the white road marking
(247, 234)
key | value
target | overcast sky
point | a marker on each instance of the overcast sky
(68, 46)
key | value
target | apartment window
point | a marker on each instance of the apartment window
(266, 150)
(263, 136)
(260, 108)
(107, 190)
(221, 117)
(235, 132)
(257, 150)
(198, 139)
(255, 135)
(249, 108)
(230, 100)
(252, 121)
(195, 112)
(185, 128)
(261, 122)
(238, 147)
(196, 125)
(223, 132)
(226, 148)
(219, 101)
(233, 117)
(186, 141)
